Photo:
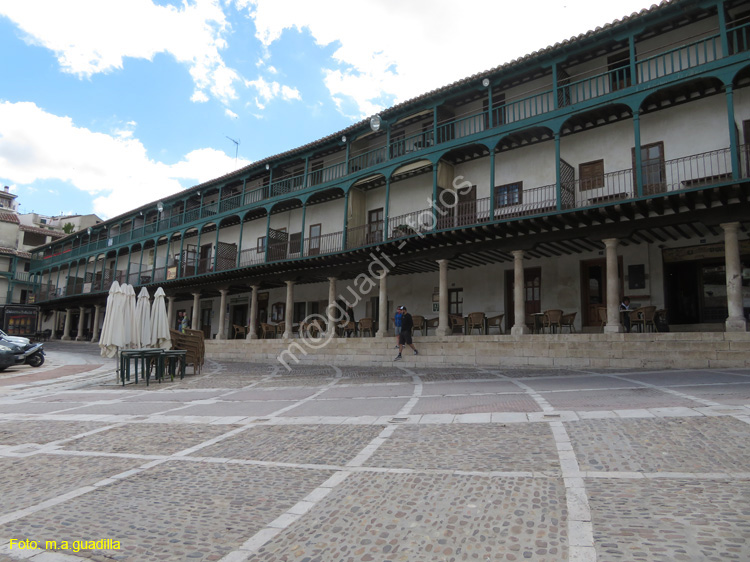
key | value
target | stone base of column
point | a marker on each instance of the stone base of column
(94, 340)
(80, 338)
(66, 338)
(614, 329)
(519, 330)
(737, 324)
(252, 337)
(287, 336)
(381, 334)
(442, 331)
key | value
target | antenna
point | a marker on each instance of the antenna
(236, 148)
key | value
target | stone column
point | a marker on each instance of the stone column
(736, 320)
(66, 329)
(81, 314)
(289, 310)
(222, 333)
(95, 327)
(443, 328)
(331, 309)
(383, 306)
(196, 311)
(251, 333)
(170, 312)
(613, 288)
(519, 303)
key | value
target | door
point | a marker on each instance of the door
(314, 244)
(205, 322)
(239, 317)
(594, 288)
(653, 170)
(532, 293)
(205, 261)
(466, 212)
(375, 226)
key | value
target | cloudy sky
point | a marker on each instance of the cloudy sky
(109, 104)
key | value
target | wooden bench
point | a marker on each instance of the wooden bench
(192, 343)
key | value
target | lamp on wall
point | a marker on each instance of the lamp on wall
(343, 138)
(376, 122)
(486, 82)
(160, 207)
(268, 167)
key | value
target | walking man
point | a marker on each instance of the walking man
(405, 337)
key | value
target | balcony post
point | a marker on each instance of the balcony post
(253, 321)
(95, 327)
(519, 303)
(555, 87)
(179, 260)
(198, 252)
(239, 243)
(435, 196)
(736, 320)
(638, 187)
(346, 221)
(386, 208)
(306, 176)
(196, 310)
(631, 55)
(443, 328)
(222, 333)
(66, 328)
(216, 248)
(331, 308)
(302, 230)
(289, 311)
(613, 287)
(733, 149)
(493, 202)
(93, 276)
(140, 262)
(81, 312)
(383, 305)
(558, 185)
(723, 29)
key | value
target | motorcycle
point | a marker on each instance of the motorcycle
(34, 356)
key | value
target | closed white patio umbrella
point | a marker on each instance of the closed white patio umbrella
(128, 315)
(159, 322)
(142, 324)
(112, 334)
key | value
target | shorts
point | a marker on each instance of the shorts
(398, 330)
(404, 338)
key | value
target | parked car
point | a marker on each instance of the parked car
(10, 354)
(30, 353)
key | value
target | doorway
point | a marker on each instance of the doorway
(206, 322)
(594, 288)
(239, 316)
(532, 292)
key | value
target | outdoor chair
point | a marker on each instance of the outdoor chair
(495, 322)
(552, 320)
(365, 325)
(267, 330)
(642, 318)
(568, 321)
(419, 324)
(239, 331)
(602, 315)
(431, 323)
(456, 322)
(476, 320)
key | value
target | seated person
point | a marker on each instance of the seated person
(625, 307)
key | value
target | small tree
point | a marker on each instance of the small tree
(68, 227)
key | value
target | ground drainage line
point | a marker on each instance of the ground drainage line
(259, 539)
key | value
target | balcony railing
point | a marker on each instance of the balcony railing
(680, 174)
(699, 52)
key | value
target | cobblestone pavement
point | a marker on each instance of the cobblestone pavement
(251, 462)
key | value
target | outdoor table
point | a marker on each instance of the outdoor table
(144, 356)
(172, 358)
(538, 317)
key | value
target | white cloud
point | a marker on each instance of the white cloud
(36, 145)
(92, 36)
(397, 50)
(267, 91)
(231, 114)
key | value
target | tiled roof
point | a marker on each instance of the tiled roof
(52, 233)
(9, 217)
(14, 252)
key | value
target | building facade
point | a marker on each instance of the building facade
(615, 163)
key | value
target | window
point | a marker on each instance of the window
(278, 310)
(619, 71)
(456, 301)
(398, 147)
(261, 245)
(33, 239)
(508, 194)
(591, 175)
(653, 171)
